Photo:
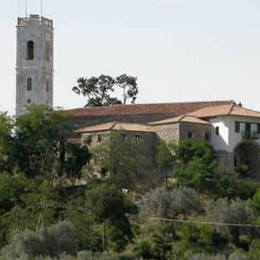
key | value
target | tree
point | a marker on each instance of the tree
(53, 241)
(169, 203)
(234, 211)
(124, 160)
(196, 162)
(110, 207)
(165, 159)
(6, 142)
(98, 90)
(129, 86)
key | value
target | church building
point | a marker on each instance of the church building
(232, 130)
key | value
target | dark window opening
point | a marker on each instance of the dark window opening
(48, 51)
(47, 87)
(29, 84)
(258, 128)
(123, 137)
(30, 50)
(217, 130)
(99, 138)
(207, 136)
(189, 135)
(237, 127)
(29, 101)
(138, 138)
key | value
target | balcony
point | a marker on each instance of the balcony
(250, 135)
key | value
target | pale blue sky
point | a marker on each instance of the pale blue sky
(180, 50)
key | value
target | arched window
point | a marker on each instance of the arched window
(48, 51)
(30, 50)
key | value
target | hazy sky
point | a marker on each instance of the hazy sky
(180, 50)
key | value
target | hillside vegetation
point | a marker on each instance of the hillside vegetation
(195, 212)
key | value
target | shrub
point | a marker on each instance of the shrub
(234, 211)
(168, 203)
(53, 241)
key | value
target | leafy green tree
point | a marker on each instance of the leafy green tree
(129, 86)
(27, 203)
(98, 90)
(256, 201)
(165, 159)
(110, 206)
(189, 149)
(76, 158)
(197, 164)
(6, 142)
(40, 140)
(125, 161)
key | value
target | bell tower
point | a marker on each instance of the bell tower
(34, 70)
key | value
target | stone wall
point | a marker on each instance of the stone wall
(168, 133)
(195, 131)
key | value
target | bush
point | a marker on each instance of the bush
(169, 203)
(234, 211)
(53, 241)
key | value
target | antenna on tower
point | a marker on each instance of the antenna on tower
(26, 9)
(41, 8)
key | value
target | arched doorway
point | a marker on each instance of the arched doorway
(248, 153)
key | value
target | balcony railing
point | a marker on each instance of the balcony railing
(250, 135)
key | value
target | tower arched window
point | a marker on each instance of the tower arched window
(30, 50)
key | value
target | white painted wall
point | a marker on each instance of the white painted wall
(228, 139)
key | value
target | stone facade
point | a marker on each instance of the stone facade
(34, 71)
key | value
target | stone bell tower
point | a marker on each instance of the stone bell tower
(34, 70)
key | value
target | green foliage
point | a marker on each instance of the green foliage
(124, 161)
(98, 90)
(188, 150)
(165, 159)
(39, 140)
(196, 174)
(242, 170)
(77, 158)
(196, 164)
(110, 206)
(53, 241)
(24, 201)
(169, 203)
(229, 185)
(88, 231)
(256, 201)
(6, 141)
(234, 211)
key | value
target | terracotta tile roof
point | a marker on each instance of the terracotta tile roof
(183, 118)
(173, 109)
(225, 110)
(116, 126)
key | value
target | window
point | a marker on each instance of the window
(29, 84)
(138, 138)
(29, 101)
(189, 135)
(48, 51)
(207, 136)
(30, 50)
(99, 138)
(47, 86)
(217, 130)
(237, 127)
(258, 128)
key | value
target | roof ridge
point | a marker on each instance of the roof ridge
(161, 103)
